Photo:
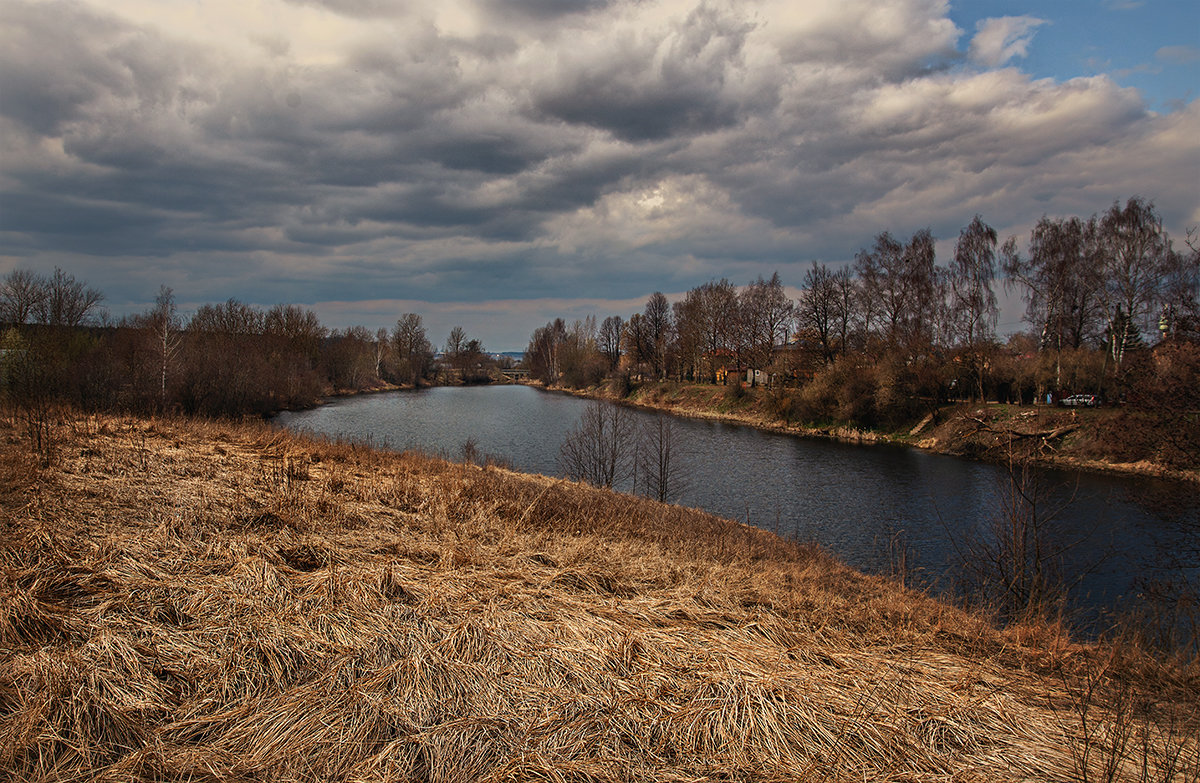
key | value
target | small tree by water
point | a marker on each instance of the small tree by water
(601, 448)
(658, 466)
(608, 448)
(1017, 563)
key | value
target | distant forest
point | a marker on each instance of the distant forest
(228, 359)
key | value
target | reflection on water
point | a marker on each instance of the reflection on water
(858, 502)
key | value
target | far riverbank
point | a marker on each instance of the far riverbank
(1057, 437)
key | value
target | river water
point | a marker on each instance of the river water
(869, 505)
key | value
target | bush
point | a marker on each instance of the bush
(844, 392)
(1160, 421)
(584, 373)
(783, 404)
(856, 397)
(623, 384)
(897, 396)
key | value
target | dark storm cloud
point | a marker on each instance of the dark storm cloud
(282, 150)
(361, 9)
(78, 226)
(652, 87)
(489, 153)
(571, 182)
(61, 62)
(340, 149)
(544, 10)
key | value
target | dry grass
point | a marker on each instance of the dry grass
(196, 601)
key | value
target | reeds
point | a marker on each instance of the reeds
(184, 600)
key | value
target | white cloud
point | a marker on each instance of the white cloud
(1001, 39)
(673, 210)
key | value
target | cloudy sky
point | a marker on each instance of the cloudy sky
(500, 162)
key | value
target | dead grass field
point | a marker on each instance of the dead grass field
(182, 600)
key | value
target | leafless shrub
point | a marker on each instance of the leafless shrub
(1016, 565)
(600, 449)
(1119, 731)
(658, 460)
(470, 451)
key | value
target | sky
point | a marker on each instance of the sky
(497, 163)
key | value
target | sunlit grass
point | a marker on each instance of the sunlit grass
(196, 600)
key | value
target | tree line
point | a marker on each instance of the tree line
(880, 339)
(227, 359)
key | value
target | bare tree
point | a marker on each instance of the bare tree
(67, 302)
(868, 271)
(610, 340)
(30, 377)
(1135, 254)
(473, 362)
(542, 353)
(688, 340)
(639, 345)
(659, 468)
(818, 308)
(300, 327)
(1061, 281)
(779, 312)
(382, 348)
(163, 325)
(580, 363)
(713, 308)
(973, 300)
(847, 296)
(1017, 562)
(767, 313)
(923, 288)
(294, 336)
(347, 358)
(229, 317)
(658, 327)
(414, 352)
(21, 294)
(225, 371)
(1179, 316)
(455, 349)
(455, 342)
(467, 356)
(891, 284)
(600, 450)
(899, 285)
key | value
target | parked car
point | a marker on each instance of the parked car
(1081, 401)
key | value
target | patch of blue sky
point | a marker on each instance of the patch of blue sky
(1152, 45)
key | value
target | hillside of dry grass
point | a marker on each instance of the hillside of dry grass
(195, 601)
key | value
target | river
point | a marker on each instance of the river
(875, 507)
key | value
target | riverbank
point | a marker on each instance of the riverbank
(1077, 439)
(384, 387)
(195, 600)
